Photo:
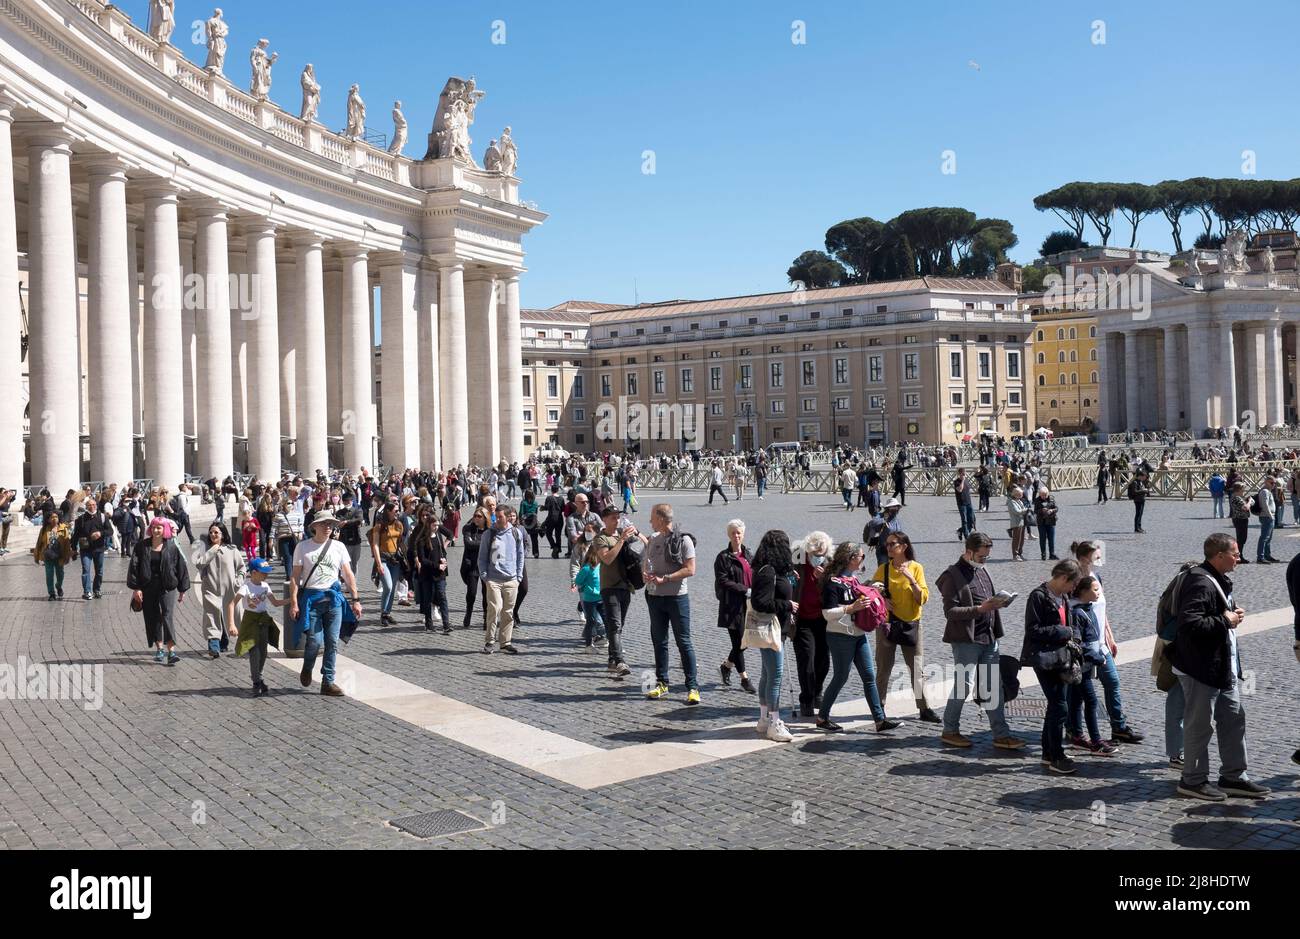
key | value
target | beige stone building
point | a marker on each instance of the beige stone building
(557, 398)
(930, 359)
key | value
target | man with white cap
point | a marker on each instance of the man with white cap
(880, 528)
(318, 566)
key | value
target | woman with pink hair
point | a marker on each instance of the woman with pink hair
(159, 578)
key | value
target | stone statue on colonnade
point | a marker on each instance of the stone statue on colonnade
(1270, 262)
(261, 62)
(356, 114)
(216, 30)
(399, 130)
(492, 158)
(162, 19)
(509, 153)
(456, 107)
(310, 94)
(1232, 258)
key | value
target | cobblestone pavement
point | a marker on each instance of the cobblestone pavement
(183, 757)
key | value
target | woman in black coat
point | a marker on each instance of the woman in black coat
(1047, 629)
(733, 576)
(160, 578)
(473, 536)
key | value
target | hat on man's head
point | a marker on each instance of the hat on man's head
(609, 510)
(324, 518)
(260, 566)
(892, 503)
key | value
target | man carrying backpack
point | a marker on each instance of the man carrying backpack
(1207, 662)
(669, 561)
(612, 547)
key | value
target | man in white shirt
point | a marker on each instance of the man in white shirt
(318, 567)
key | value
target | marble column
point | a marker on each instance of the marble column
(400, 357)
(189, 341)
(241, 310)
(357, 421)
(1132, 389)
(510, 367)
(1201, 381)
(215, 418)
(313, 374)
(333, 343)
(288, 323)
(11, 386)
(108, 301)
(1104, 411)
(481, 365)
(1257, 374)
(136, 340)
(1223, 412)
(1275, 376)
(429, 368)
(262, 356)
(53, 370)
(453, 357)
(164, 421)
(1173, 369)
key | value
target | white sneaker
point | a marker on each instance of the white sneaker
(778, 732)
(763, 724)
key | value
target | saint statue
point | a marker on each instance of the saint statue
(1270, 262)
(509, 153)
(216, 30)
(162, 19)
(356, 114)
(310, 94)
(492, 158)
(456, 104)
(399, 129)
(1193, 264)
(262, 63)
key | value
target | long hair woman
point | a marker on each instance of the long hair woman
(427, 560)
(473, 537)
(221, 569)
(773, 592)
(906, 592)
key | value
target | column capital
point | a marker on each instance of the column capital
(155, 189)
(302, 239)
(8, 104)
(252, 225)
(448, 263)
(386, 259)
(352, 251)
(206, 207)
(102, 165)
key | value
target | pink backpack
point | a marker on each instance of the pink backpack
(875, 614)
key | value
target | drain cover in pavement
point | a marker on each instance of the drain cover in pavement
(439, 823)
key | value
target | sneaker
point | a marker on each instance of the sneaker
(621, 670)
(600, 643)
(1063, 766)
(829, 726)
(692, 697)
(489, 648)
(1009, 743)
(1099, 748)
(172, 658)
(887, 725)
(85, 596)
(446, 630)
(1205, 792)
(763, 724)
(955, 740)
(778, 732)
(1125, 735)
(927, 716)
(1242, 789)
(53, 598)
(305, 675)
(263, 690)
(509, 649)
(588, 647)
(1176, 762)
(1076, 742)
(99, 595)
(159, 656)
(658, 691)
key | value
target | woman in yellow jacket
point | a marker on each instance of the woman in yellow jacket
(54, 550)
(906, 592)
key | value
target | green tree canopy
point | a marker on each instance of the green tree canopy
(816, 269)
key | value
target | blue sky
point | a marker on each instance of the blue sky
(761, 144)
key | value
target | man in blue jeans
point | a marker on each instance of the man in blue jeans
(91, 534)
(1267, 509)
(669, 560)
(319, 564)
(973, 629)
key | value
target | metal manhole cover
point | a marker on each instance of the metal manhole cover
(437, 824)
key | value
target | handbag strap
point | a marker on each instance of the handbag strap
(319, 557)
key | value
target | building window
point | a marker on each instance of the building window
(999, 306)
(1053, 404)
(552, 386)
(715, 354)
(841, 371)
(777, 373)
(528, 440)
(657, 358)
(579, 415)
(783, 318)
(1060, 334)
(841, 343)
(1073, 335)
(695, 326)
(778, 407)
(958, 399)
(970, 306)
(876, 402)
(716, 409)
(631, 360)
(1060, 356)
(613, 334)
(1013, 365)
(983, 337)
(774, 350)
(1092, 355)
(640, 332)
(1074, 378)
(954, 364)
(873, 342)
(578, 390)
(658, 382)
(688, 381)
(1074, 355)
(568, 335)
(746, 376)
(842, 430)
(1015, 426)
(1093, 378)
(909, 340)
(913, 428)
(842, 403)
(528, 386)
(807, 347)
(911, 366)
(882, 308)
(1087, 402)
(911, 401)
(1092, 332)
(1060, 378)
(580, 439)
(1042, 381)
(875, 369)
(667, 329)
(953, 337)
(528, 415)
(715, 378)
(552, 416)
(1013, 398)
(809, 405)
(753, 321)
(809, 374)
(986, 399)
(631, 384)
(605, 389)
(746, 351)
(814, 315)
(984, 365)
(722, 324)
(1041, 358)
(1040, 335)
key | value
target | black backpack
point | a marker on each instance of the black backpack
(629, 561)
(675, 548)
